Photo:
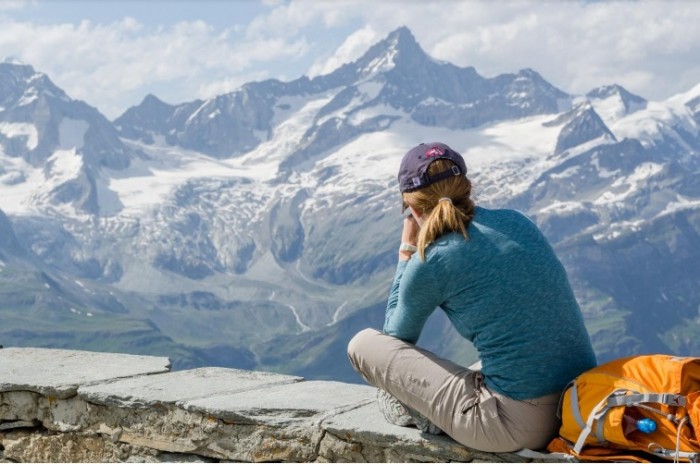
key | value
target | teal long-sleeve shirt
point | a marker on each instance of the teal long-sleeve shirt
(504, 290)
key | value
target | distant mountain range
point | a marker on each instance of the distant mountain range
(259, 228)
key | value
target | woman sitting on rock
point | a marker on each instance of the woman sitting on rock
(499, 282)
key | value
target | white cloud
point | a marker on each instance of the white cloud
(283, 21)
(352, 48)
(643, 45)
(213, 89)
(650, 47)
(102, 64)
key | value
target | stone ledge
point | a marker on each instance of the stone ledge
(59, 373)
(60, 405)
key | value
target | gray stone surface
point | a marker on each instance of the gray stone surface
(59, 373)
(201, 415)
(285, 404)
(386, 442)
(364, 435)
(180, 386)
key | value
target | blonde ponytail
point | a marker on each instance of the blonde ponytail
(446, 205)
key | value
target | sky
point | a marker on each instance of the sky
(112, 54)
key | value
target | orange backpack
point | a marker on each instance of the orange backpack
(659, 387)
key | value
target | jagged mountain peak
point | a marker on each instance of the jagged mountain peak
(402, 40)
(528, 83)
(578, 109)
(530, 74)
(23, 73)
(399, 48)
(16, 68)
(152, 100)
(20, 84)
(582, 124)
(12, 60)
(395, 72)
(151, 105)
(693, 94)
(612, 102)
(398, 51)
(607, 91)
(50, 120)
(689, 99)
(65, 142)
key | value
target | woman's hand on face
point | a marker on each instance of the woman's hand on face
(409, 236)
(410, 230)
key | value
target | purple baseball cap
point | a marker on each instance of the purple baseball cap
(413, 173)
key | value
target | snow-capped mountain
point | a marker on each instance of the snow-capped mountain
(613, 102)
(52, 143)
(259, 227)
(582, 125)
(363, 96)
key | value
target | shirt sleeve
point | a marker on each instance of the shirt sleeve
(414, 295)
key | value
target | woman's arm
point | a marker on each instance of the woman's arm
(415, 292)
(409, 236)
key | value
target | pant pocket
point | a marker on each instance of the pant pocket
(469, 403)
(481, 401)
(473, 397)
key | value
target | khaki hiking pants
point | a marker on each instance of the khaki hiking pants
(453, 397)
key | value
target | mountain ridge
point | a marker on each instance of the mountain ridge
(396, 62)
(270, 214)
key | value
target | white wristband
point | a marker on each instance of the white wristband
(408, 247)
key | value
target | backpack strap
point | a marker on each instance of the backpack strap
(575, 409)
(561, 398)
(600, 410)
(662, 398)
(640, 400)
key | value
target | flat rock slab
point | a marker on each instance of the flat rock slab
(59, 373)
(180, 387)
(285, 404)
(378, 441)
(367, 425)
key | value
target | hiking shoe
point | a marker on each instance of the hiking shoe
(394, 412)
(423, 423)
(399, 414)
